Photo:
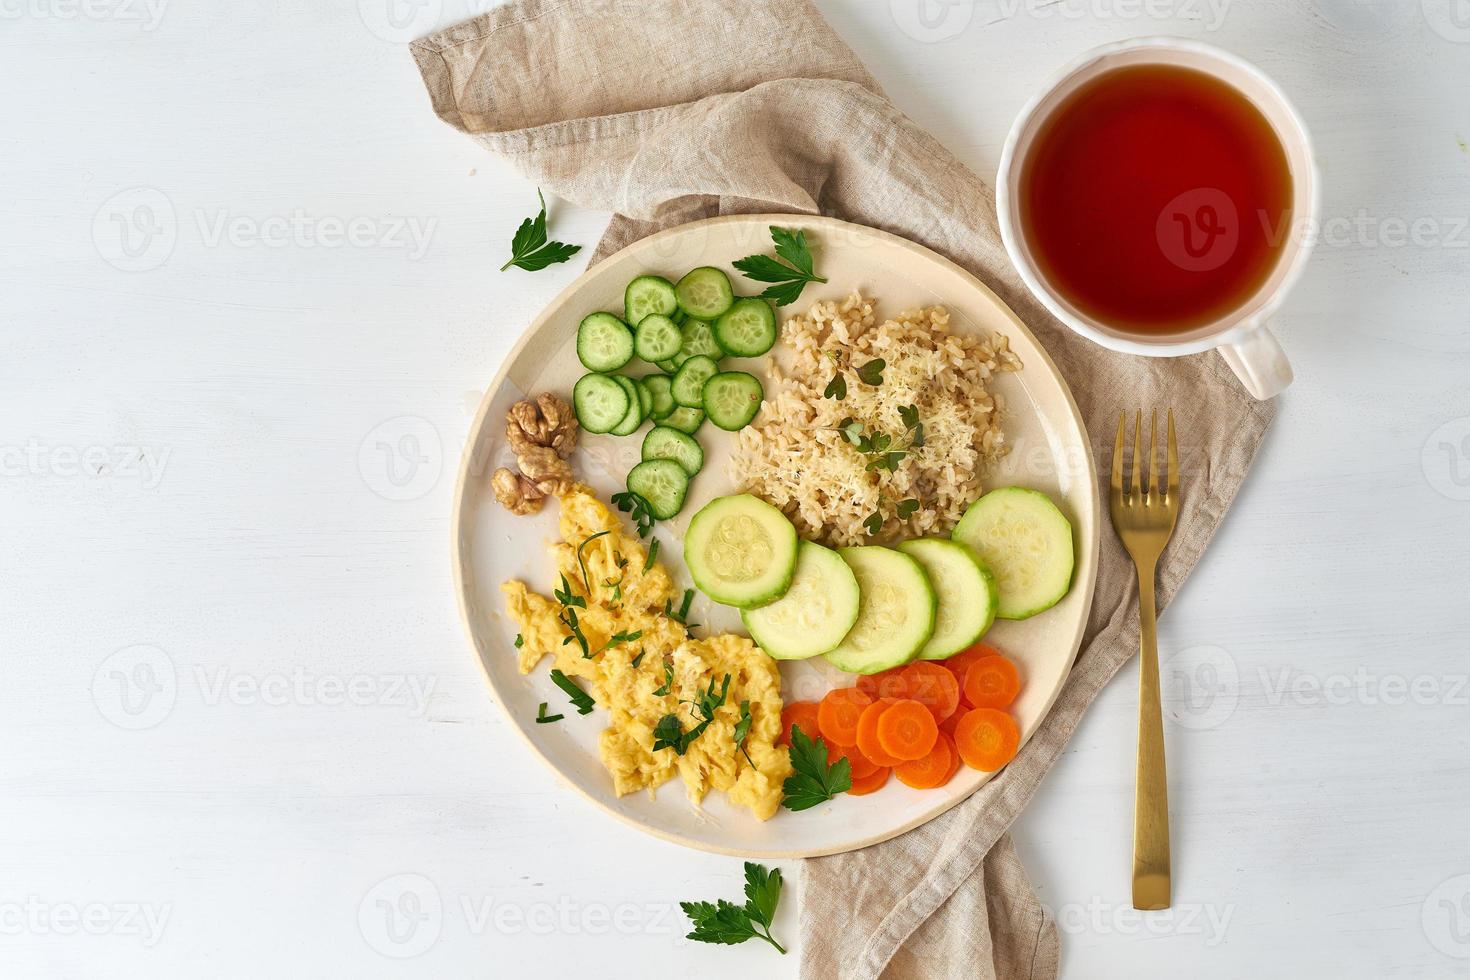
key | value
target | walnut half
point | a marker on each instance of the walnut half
(516, 493)
(542, 433)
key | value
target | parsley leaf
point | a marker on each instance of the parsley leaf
(619, 638)
(586, 580)
(788, 280)
(542, 718)
(668, 684)
(729, 924)
(530, 250)
(567, 597)
(814, 780)
(581, 700)
(636, 507)
(652, 554)
(520, 641)
(638, 659)
(742, 729)
(670, 734)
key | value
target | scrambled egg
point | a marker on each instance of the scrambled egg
(624, 599)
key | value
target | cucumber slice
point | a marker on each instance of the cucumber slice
(633, 417)
(704, 293)
(645, 397)
(896, 611)
(599, 402)
(661, 482)
(658, 338)
(663, 442)
(647, 295)
(699, 338)
(686, 420)
(604, 343)
(663, 399)
(966, 592)
(688, 386)
(731, 398)
(1026, 542)
(815, 613)
(740, 551)
(746, 329)
(670, 366)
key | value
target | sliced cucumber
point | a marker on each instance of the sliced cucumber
(647, 295)
(645, 397)
(600, 402)
(663, 442)
(746, 329)
(740, 551)
(816, 612)
(1026, 542)
(661, 482)
(604, 343)
(658, 338)
(663, 399)
(633, 417)
(670, 366)
(731, 398)
(699, 338)
(688, 386)
(966, 592)
(686, 420)
(896, 611)
(704, 293)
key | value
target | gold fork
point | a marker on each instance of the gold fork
(1144, 520)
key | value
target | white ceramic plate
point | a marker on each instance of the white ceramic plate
(1049, 452)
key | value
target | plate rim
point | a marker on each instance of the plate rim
(1090, 553)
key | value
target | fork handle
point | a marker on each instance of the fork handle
(1151, 886)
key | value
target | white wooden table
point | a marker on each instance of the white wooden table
(248, 300)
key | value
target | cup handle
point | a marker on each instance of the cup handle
(1260, 364)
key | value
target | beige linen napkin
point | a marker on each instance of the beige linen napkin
(665, 111)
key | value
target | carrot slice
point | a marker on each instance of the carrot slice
(954, 753)
(987, 739)
(871, 783)
(961, 661)
(884, 684)
(867, 733)
(992, 682)
(859, 763)
(838, 714)
(932, 686)
(932, 770)
(803, 713)
(907, 730)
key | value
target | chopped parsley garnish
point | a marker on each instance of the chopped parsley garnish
(668, 684)
(742, 729)
(567, 597)
(682, 616)
(638, 659)
(652, 554)
(814, 781)
(581, 700)
(669, 732)
(636, 507)
(619, 638)
(520, 641)
(729, 924)
(586, 579)
(530, 250)
(542, 718)
(787, 280)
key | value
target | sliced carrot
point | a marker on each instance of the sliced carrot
(871, 783)
(884, 684)
(907, 730)
(856, 760)
(803, 713)
(948, 725)
(987, 739)
(838, 714)
(992, 682)
(961, 661)
(932, 686)
(867, 733)
(932, 770)
(954, 753)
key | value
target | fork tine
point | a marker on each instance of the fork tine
(1117, 481)
(1154, 490)
(1173, 459)
(1137, 484)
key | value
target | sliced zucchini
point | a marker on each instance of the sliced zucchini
(604, 343)
(647, 295)
(688, 386)
(661, 482)
(1026, 542)
(663, 442)
(704, 293)
(657, 338)
(599, 402)
(686, 420)
(816, 612)
(663, 399)
(740, 550)
(699, 338)
(966, 593)
(746, 329)
(731, 398)
(896, 611)
(633, 417)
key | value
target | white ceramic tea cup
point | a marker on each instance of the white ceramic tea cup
(1241, 336)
